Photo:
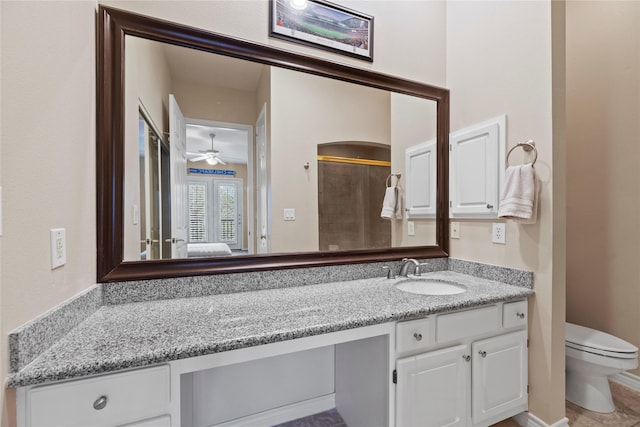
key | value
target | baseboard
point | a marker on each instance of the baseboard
(284, 413)
(627, 379)
(527, 419)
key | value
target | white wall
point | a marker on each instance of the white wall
(499, 61)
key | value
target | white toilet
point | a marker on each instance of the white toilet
(591, 357)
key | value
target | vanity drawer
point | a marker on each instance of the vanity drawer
(126, 397)
(454, 326)
(414, 334)
(514, 314)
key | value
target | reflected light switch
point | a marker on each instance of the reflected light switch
(136, 215)
(411, 229)
(289, 214)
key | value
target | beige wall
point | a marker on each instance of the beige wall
(413, 122)
(48, 117)
(603, 178)
(216, 103)
(147, 83)
(499, 61)
(307, 110)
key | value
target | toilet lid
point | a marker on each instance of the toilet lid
(588, 338)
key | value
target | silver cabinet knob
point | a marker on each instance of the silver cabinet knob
(466, 357)
(520, 315)
(489, 206)
(482, 353)
(100, 403)
(417, 336)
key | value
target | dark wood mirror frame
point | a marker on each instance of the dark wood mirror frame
(113, 25)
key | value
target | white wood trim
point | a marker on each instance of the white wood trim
(193, 364)
(527, 419)
(627, 379)
(285, 413)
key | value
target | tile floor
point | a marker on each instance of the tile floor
(627, 414)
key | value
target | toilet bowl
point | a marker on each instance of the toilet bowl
(591, 357)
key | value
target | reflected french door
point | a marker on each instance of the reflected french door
(215, 211)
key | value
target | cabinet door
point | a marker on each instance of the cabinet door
(499, 375)
(420, 165)
(432, 388)
(476, 168)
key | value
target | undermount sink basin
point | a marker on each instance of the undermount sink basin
(429, 287)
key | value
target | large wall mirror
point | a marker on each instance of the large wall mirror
(220, 155)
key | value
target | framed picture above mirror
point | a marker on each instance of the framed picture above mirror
(322, 25)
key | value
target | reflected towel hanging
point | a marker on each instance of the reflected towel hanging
(390, 204)
(519, 197)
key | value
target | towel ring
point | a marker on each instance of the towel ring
(526, 146)
(396, 175)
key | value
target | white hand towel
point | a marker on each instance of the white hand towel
(519, 197)
(391, 204)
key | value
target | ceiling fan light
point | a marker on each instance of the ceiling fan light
(212, 161)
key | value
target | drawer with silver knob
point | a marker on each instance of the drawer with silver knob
(105, 400)
(514, 314)
(414, 334)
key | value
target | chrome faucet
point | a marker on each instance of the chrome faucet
(404, 267)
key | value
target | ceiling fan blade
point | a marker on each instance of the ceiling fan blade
(198, 158)
(220, 161)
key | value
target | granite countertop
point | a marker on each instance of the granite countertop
(144, 333)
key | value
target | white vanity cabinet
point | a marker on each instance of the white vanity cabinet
(139, 398)
(470, 368)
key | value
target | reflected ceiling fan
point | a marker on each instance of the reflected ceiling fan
(212, 156)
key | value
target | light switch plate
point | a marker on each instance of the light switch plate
(411, 228)
(289, 214)
(58, 247)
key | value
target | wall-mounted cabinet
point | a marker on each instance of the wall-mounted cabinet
(420, 166)
(476, 169)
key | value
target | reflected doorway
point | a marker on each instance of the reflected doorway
(155, 192)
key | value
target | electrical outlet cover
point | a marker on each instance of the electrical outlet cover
(455, 230)
(499, 232)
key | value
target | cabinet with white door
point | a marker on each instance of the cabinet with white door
(420, 166)
(470, 368)
(476, 168)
